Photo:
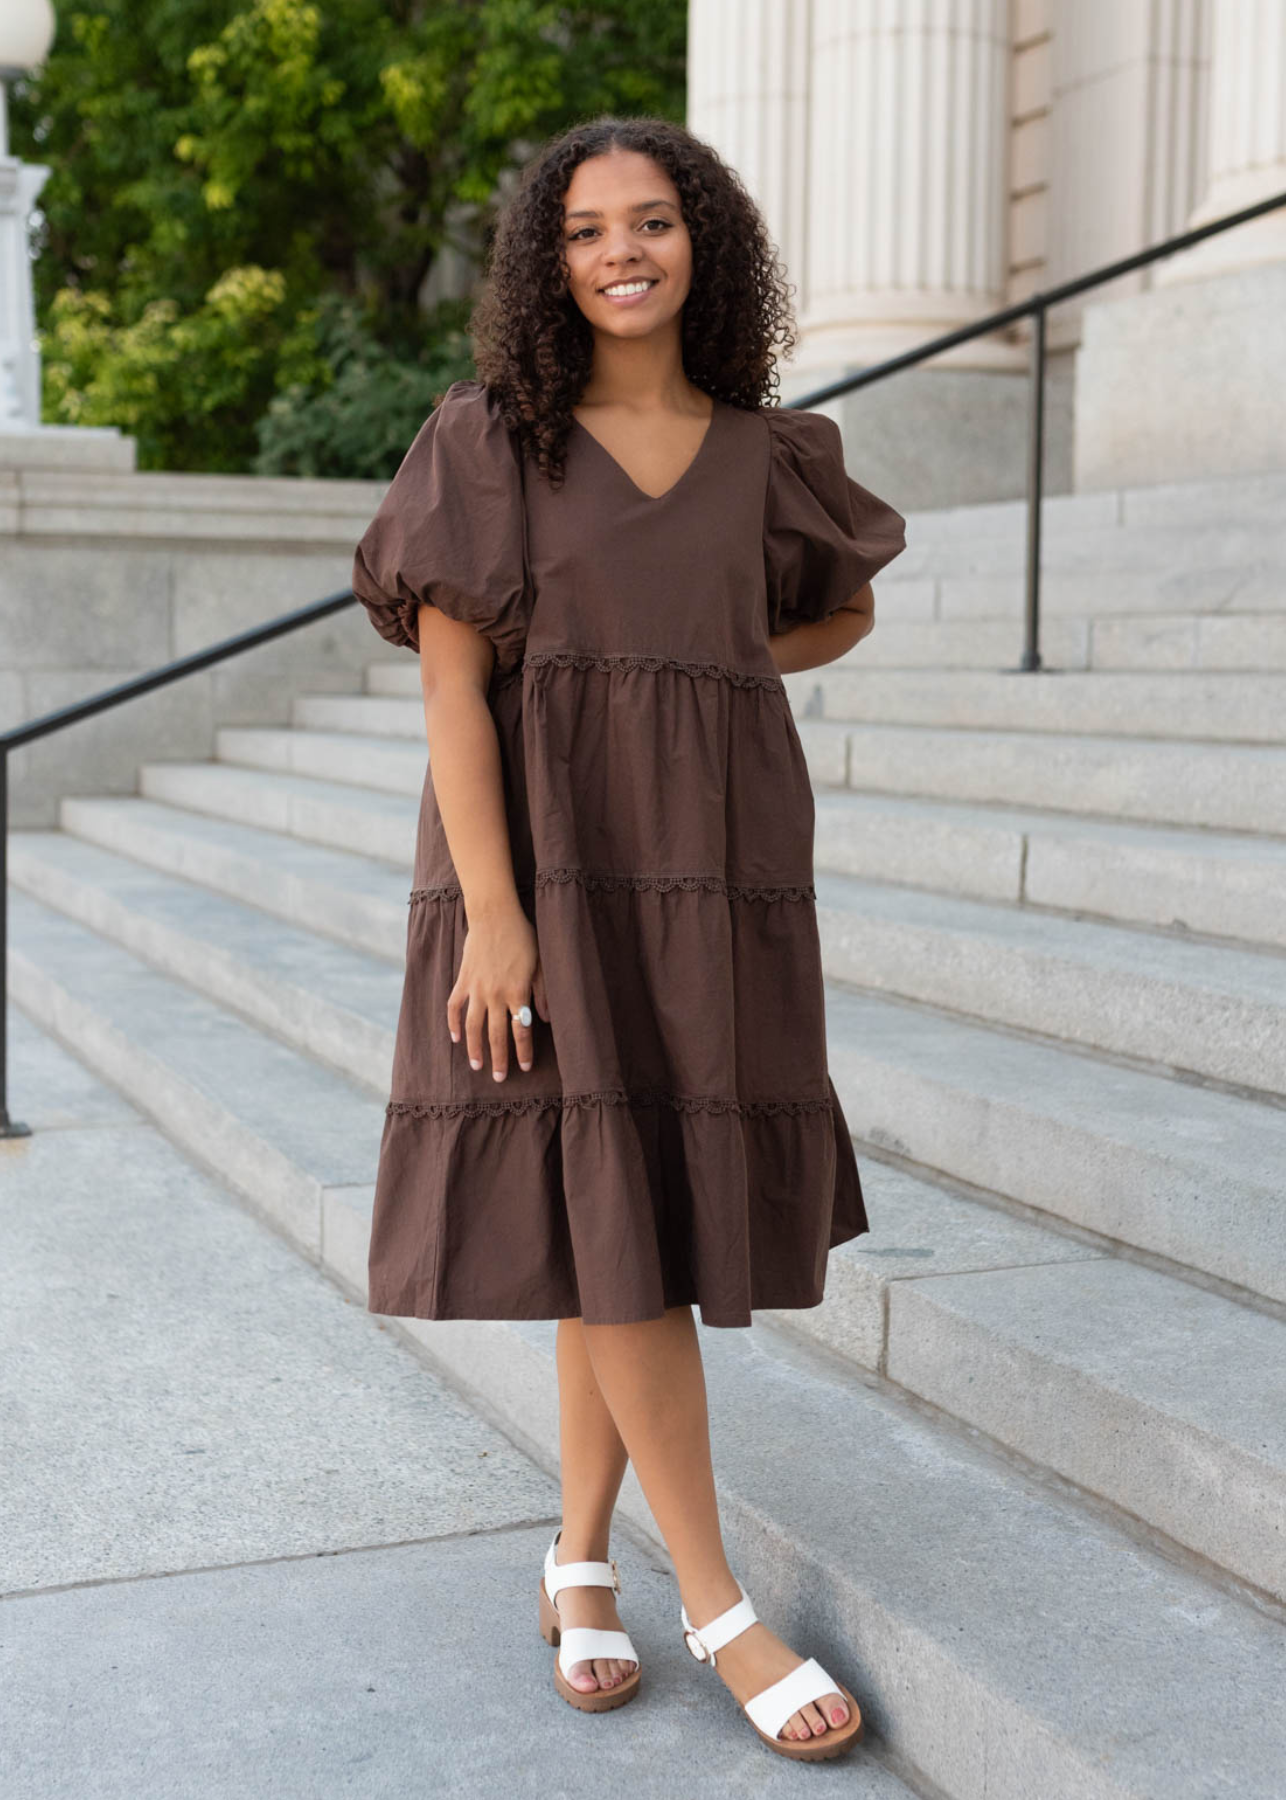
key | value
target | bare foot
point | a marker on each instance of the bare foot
(594, 1606)
(757, 1657)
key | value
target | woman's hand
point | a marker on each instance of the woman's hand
(499, 972)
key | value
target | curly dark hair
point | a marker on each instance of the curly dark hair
(534, 348)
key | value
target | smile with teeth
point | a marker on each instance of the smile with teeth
(621, 288)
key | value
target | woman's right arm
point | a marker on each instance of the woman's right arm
(500, 967)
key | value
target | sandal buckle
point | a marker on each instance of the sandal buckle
(616, 1577)
(696, 1645)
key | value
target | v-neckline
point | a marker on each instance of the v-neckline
(715, 408)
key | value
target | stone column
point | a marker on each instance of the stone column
(1128, 138)
(1247, 142)
(906, 193)
(748, 95)
(874, 136)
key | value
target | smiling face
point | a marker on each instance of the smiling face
(623, 226)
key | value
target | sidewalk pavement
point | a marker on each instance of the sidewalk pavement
(251, 1546)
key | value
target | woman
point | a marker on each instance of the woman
(606, 550)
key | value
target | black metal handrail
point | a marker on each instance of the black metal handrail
(1036, 306)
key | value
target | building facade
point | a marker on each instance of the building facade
(923, 163)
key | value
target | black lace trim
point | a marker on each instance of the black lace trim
(687, 1103)
(451, 890)
(608, 882)
(688, 883)
(578, 659)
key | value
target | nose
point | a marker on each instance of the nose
(618, 245)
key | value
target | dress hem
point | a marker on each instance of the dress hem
(399, 1306)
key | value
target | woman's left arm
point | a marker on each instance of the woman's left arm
(809, 645)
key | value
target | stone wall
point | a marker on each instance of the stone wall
(106, 573)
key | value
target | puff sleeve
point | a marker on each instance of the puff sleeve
(824, 536)
(451, 529)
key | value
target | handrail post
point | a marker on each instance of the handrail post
(8, 1127)
(1035, 490)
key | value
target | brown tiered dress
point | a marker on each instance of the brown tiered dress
(677, 1140)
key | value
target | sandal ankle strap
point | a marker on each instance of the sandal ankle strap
(718, 1632)
(578, 1574)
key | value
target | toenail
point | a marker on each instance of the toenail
(837, 1716)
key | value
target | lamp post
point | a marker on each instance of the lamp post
(26, 32)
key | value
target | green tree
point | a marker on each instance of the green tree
(248, 198)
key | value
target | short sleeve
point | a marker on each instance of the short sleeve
(825, 536)
(451, 529)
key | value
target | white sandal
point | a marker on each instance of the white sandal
(769, 1710)
(582, 1643)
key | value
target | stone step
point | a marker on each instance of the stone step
(1200, 559)
(392, 765)
(338, 894)
(361, 818)
(1247, 642)
(1244, 642)
(273, 1124)
(1239, 787)
(1208, 1009)
(1066, 1356)
(950, 1686)
(324, 999)
(1179, 507)
(1228, 787)
(1186, 1174)
(1213, 1010)
(1219, 500)
(1222, 708)
(980, 1105)
(928, 588)
(1197, 708)
(368, 715)
(1226, 885)
(1205, 1009)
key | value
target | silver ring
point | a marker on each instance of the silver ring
(522, 1016)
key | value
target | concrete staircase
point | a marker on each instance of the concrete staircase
(1023, 1474)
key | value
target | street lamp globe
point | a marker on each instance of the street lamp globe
(26, 32)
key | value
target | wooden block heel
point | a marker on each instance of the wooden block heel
(583, 1643)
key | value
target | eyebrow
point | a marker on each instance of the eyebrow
(638, 206)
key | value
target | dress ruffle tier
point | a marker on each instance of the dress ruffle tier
(678, 1139)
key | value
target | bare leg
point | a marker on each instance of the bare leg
(592, 1460)
(651, 1377)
